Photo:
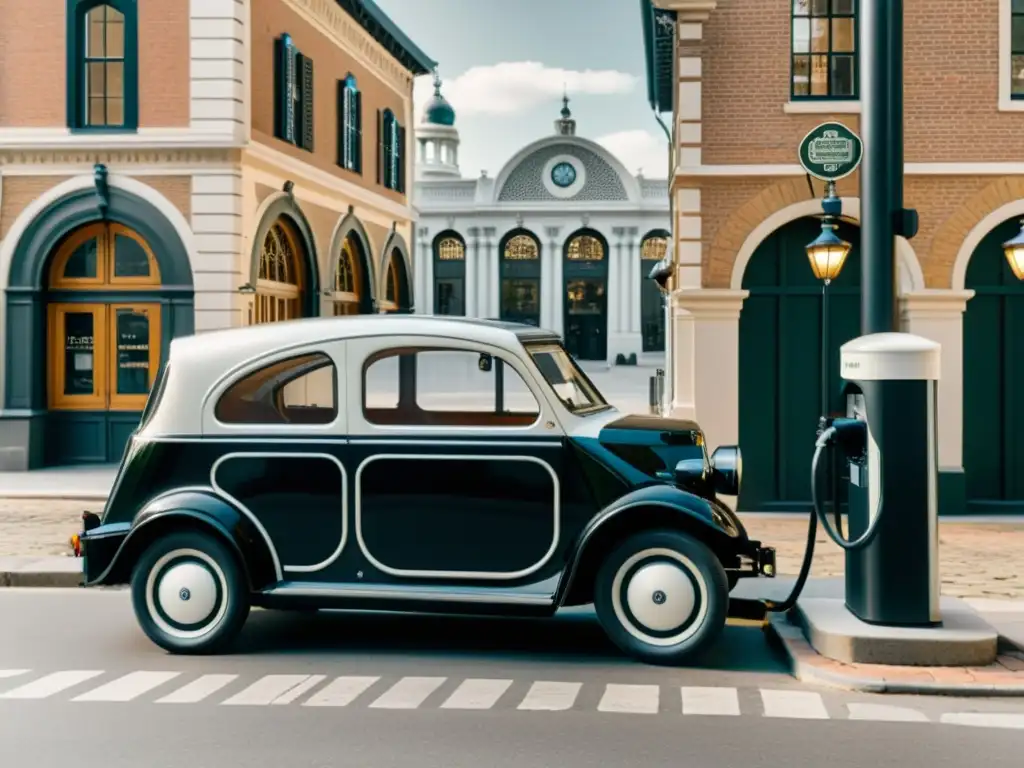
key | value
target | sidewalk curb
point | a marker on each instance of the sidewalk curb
(808, 673)
(40, 579)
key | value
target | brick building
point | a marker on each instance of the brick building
(745, 80)
(183, 166)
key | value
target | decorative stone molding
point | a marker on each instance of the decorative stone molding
(32, 158)
(338, 25)
(710, 303)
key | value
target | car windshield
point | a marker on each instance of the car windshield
(570, 383)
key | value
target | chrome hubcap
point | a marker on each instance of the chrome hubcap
(661, 596)
(187, 593)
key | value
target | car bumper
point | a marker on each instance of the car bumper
(98, 547)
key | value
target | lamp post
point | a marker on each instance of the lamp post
(827, 254)
(1014, 251)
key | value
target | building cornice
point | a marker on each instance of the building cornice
(910, 169)
(144, 138)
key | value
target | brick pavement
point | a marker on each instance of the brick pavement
(981, 560)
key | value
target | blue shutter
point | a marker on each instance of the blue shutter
(341, 105)
(381, 156)
(357, 132)
(284, 68)
(306, 133)
(400, 162)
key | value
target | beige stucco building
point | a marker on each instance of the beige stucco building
(185, 166)
(745, 80)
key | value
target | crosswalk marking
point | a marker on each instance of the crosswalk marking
(340, 692)
(550, 696)
(637, 699)
(127, 687)
(710, 701)
(803, 705)
(985, 719)
(50, 684)
(408, 693)
(476, 694)
(885, 712)
(302, 688)
(5, 673)
(266, 689)
(199, 689)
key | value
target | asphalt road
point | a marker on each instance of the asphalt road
(80, 685)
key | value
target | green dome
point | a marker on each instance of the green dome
(438, 111)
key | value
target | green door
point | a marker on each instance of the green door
(780, 363)
(993, 366)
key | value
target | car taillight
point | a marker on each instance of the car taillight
(76, 545)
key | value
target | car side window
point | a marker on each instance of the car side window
(296, 390)
(445, 387)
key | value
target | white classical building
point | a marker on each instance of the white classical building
(564, 238)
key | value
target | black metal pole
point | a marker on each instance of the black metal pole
(881, 176)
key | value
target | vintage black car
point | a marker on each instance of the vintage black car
(410, 463)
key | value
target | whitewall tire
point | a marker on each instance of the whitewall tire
(189, 593)
(662, 597)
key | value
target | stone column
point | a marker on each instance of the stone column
(616, 291)
(707, 364)
(938, 315)
(553, 253)
(632, 271)
(474, 274)
(492, 305)
(424, 274)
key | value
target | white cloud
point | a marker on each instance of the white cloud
(515, 86)
(639, 149)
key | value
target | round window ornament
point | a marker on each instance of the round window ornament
(563, 174)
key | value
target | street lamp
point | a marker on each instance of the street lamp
(827, 254)
(1014, 250)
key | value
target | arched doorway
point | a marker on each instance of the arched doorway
(449, 274)
(351, 292)
(586, 295)
(281, 281)
(993, 350)
(653, 248)
(780, 362)
(104, 339)
(395, 297)
(520, 278)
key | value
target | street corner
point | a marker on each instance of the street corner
(40, 572)
(1005, 677)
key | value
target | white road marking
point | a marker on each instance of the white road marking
(5, 673)
(304, 687)
(550, 697)
(985, 719)
(340, 692)
(710, 701)
(408, 693)
(477, 694)
(198, 689)
(802, 705)
(636, 699)
(266, 689)
(127, 687)
(885, 713)
(50, 684)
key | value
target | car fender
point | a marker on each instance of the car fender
(195, 508)
(653, 506)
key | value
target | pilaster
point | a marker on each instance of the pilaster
(476, 278)
(492, 307)
(551, 275)
(423, 272)
(938, 315)
(706, 365)
(222, 258)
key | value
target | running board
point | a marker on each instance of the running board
(499, 595)
(747, 613)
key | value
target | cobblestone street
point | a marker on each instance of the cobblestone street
(976, 559)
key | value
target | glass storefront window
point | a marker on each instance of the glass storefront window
(132, 339)
(79, 353)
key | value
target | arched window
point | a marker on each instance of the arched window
(520, 279)
(521, 247)
(585, 312)
(348, 280)
(450, 275)
(652, 303)
(279, 282)
(350, 133)
(585, 248)
(390, 301)
(102, 65)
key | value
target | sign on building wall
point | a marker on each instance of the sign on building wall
(831, 152)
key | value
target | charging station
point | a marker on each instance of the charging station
(894, 580)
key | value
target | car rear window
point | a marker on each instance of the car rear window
(297, 390)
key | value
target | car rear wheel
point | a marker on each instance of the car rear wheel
(189, 593)
(662, 597)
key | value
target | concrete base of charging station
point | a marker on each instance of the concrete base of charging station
(964, 639)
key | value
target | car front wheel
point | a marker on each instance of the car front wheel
(662, 597)
(189, 593)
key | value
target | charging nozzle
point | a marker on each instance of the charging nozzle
(851, 435)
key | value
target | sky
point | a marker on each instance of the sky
(504, 64)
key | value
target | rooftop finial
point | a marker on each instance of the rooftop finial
(437, 82)
(566, 114)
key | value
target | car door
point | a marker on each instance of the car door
(458, 463)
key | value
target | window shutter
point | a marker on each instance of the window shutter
(342, 123)
(307, 104)
(357, 132)
(381, 159)
(400, 149)
(284, 56)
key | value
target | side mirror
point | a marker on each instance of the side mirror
(727, 470)
(690, 472)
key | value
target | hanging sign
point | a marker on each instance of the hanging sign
(831, 152)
